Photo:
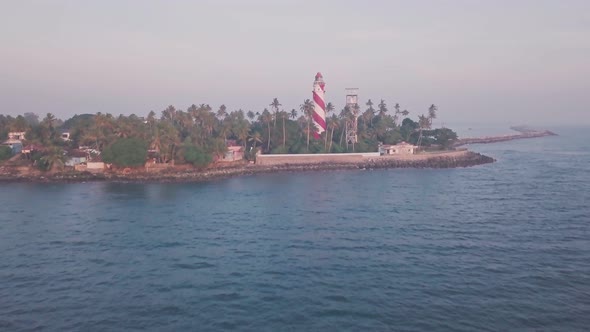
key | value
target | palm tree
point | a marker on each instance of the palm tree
(48, 124)
(222, 111)
(329, 109)
(345, 115)
(370, 111)
(54, 159)
(307, 109)
(266, 117)
(255, 138)
(423, 123)
(284, 116)
(242, 133)
(333, 124)
(397, 113)
(275, 108)
(382, 108)
(250, 115)
(432, 113)
(293, 114)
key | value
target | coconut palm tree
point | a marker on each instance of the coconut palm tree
(432, 113)
(307, 109)
(54, 159)
(222, 111)
(396, 114)
(382, 108)
(255, 137)
(293, 114)
(332, 124)
(370, 111)
(275, 108)
(266, 118)
(329, 109)
(345, 115)
(250, 115)
(241, 133)
(423, 123)
(284, 115)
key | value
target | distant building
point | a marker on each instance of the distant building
(65, 136)
(76, 157)
(234, 151)
(31, 148)
(15, 145)
(16, 135)
(402, 148)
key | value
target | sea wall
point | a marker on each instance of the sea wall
(351, 158)
(173, 174)
(321, 158)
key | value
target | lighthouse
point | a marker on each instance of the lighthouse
(319, 106)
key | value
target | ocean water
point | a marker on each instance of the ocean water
(498, 247)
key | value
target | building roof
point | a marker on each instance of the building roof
(77, 153)
(400, 144)
(12, 141)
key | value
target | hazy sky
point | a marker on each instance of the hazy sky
(524, 61)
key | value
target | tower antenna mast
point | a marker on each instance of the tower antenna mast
(353, 111)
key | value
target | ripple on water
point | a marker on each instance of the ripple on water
(193, 266)
(495, 248)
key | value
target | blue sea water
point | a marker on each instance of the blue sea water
(497, 247)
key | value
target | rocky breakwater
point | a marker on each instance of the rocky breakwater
(450, 159)
(524, 132)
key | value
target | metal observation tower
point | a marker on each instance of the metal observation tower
(353, 111)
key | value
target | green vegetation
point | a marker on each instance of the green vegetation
(52, 160)
(199, 134)
(126, 152)
(5, 152)
(196, 156)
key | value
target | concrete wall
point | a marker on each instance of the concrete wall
(281, 159)
(340, 158)
(95, 167)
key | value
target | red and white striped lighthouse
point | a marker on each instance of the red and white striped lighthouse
(319, 106)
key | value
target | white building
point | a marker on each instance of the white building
(402, 148)
(17, 135)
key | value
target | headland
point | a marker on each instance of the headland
(283, 163)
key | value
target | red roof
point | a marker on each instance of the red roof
(77, 153)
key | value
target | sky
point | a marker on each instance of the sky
(496, 61)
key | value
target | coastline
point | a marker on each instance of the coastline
(453, 159)
(524, 132)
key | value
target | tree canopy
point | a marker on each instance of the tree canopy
(5, 152)
(186, 135)
(126, 152)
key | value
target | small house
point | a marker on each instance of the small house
(402, 148)
(16, 135)
(65, 135)
(15, 145)
(76, 157)
(234, 152)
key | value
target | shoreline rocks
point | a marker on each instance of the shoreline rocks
(524, 133)
(465, 159)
